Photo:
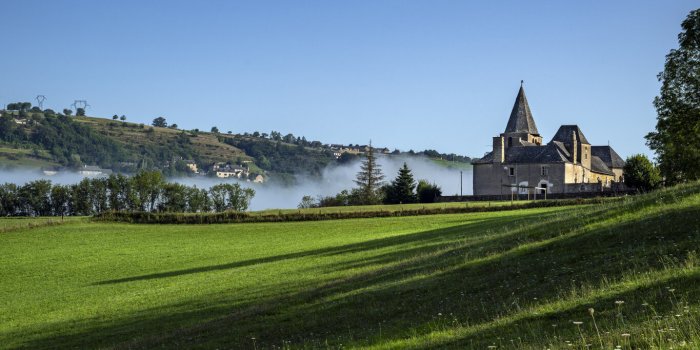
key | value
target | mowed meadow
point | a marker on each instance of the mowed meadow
(620, 273)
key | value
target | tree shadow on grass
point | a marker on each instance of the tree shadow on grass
(425, 238)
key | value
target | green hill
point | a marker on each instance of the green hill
(35, 138)
(525, 279)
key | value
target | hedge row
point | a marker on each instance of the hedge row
(239, 217)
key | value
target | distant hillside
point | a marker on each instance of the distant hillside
(31, 137)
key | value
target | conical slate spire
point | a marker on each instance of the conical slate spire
(521, 118)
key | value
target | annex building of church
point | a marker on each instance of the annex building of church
(520, 163)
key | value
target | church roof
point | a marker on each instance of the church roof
(520, 117)
(550, 153)
(608, 156)
(598, 166)
(564, 134)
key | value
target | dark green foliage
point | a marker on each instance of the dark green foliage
(69, 142)
(279, 157)
(67, 112)
(369, 179)
(214, 129)
(9, 199)
(35, 198)
(451, 156)
(19, 106)
(160, 122)
(147, 191)
(427, 192)
(80, 112)
(676, 140)
(641, 174)
(402, 189)
(228, 196)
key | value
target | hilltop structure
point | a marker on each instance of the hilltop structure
(521, 163)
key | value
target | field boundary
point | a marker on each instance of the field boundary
(238, 217)
(31, 225)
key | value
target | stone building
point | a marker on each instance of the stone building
(520, 162)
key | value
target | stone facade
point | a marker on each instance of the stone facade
(520, 163)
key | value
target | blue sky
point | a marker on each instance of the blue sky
(406, 74)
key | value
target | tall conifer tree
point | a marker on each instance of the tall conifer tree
(369, 179)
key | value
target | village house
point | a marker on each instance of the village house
(192, 165)
(93, 170)
(520, 163)
(225, 170)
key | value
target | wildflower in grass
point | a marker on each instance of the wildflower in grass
(591, 312)
(619, 302)
(578, 326)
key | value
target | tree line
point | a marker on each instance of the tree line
(147, 191)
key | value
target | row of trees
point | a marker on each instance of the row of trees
(147, 191)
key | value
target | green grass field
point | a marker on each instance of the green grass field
(522, 279)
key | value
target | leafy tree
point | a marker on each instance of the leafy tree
(9, 199)
(115, 117)
(229, 132)
(197, 200)
(427, 192)
(214, 129)
(122, 118)
(60, 200)
(80, 193)
(67, 111)
(231, 197)
(641, 174)
(119, 188)
(676, 140)
(35, 197)
(80, 112)
(401, 189)
(306, 202)
(174, 198)
(173, 126)
(147, 186)
(369, 179)
(159, 122)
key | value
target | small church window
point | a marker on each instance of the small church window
(510, 142)
(511, 171)
(545, 170)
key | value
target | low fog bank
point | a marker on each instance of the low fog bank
(336, 178)
(276, 196)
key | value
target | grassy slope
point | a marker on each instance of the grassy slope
(462, 281)
(21, 157)
(205, 144)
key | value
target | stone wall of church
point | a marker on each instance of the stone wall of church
(489, 179)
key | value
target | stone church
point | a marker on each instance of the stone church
(521, 163)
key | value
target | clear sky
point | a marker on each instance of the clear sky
(407, 74)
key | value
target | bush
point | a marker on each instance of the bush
(427, 192)
(641, 174)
